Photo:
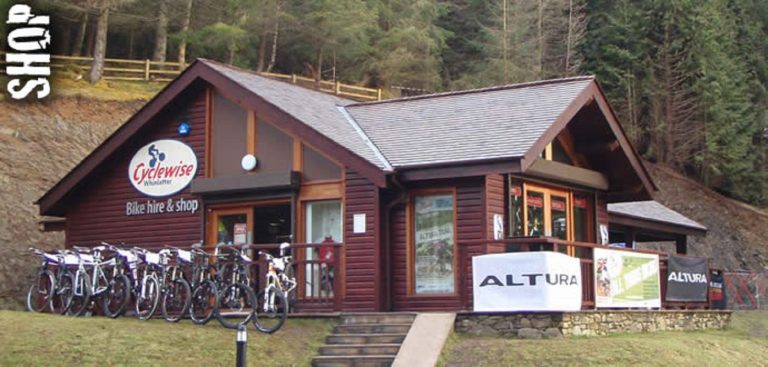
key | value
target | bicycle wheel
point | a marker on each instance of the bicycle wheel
(63, 294)
(41, 291)
(147, 297)
(81, 290)
(176, 300)
(271, 310)
(203, 302)
(115, 300)
(235, 305)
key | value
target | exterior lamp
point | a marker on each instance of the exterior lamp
(249, 162)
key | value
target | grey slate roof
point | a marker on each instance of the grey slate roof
(653, 211)
(316, 109)
(499, 122)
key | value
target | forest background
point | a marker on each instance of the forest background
(687, 78)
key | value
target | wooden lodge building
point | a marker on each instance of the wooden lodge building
(404, 191)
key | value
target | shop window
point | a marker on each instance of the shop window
(582, 218)
(433, 244)
(558, 206)
(317, 167)
(535, 213)
(323, 225)
(228, 136)
(274, 148)
(515, 208)
(232, 229)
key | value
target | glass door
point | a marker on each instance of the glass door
(231, 226)
(548, 213)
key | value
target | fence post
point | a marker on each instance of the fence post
(146, 69)
(378, 94)
(337, 87)
(293, 78)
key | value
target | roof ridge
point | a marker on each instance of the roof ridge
(376, 151)
(477, 90)
(255, 73)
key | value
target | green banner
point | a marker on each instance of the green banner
(626, 279)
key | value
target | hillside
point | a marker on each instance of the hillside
(42, 141)
(738, 233)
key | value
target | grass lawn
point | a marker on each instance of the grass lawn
(28, 339)
(745, 343)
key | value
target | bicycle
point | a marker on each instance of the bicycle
(85, 284)
(41, 292)
(115, 302)
(272, 300)
(237, 297)
(177, 293)
(205, 291)
(147, 288)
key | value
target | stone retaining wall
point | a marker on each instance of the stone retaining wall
(588, 323)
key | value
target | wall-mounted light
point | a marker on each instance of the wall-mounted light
(249, 162)
(184, 128)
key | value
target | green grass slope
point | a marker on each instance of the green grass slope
(745, 343)
(28, 339)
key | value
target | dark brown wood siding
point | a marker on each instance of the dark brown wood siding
(98, 213)
(470, 225)
(494, 199)
(362, 250)
(601, 210)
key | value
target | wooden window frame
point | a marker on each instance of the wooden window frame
(411, 250)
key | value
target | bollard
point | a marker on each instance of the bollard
(242, 341)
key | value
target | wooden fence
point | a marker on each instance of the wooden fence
(147, 70)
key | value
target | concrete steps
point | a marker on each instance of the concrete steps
(365, 340)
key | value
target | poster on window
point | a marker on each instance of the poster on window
(626, 279)
(434, 244)
(687, 279)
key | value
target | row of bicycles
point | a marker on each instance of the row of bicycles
(190, 282)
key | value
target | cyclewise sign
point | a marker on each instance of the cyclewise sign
(162, 168)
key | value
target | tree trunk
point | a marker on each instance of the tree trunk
(274, 38)
(319, 68)
(504, 42)
(77, 46)
(540, 49)
(568, 41)
(63, 47)
(231, 55)
(184, 29)
(131, 37)
(262, 52)
(161, 33)
(100, 49)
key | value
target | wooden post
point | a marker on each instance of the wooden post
(337, 87)
(146, 69)
(378, 94)
(293, 78)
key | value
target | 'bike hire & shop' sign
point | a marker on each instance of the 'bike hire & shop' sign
(526, 281)
(626, 279)
(159, 169)
(687, 279)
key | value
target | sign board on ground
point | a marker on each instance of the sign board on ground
(526, 281)
(626, 279)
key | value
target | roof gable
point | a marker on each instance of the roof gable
(314, 118)
(483, 124)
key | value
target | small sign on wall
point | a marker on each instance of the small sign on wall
(498, 227)
(603, 234)
(358, 223)
(240, 231)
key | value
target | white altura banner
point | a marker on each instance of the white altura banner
(526, 281)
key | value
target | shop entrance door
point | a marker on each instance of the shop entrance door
(254, 223)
